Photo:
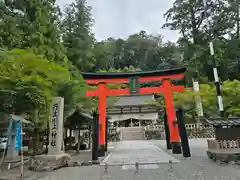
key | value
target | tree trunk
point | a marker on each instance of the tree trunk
(195, 33)
(36, 142)
(70, 138)
(238, 19)
(30, 145)
(238, 33)
(48, 131)
(89, 136)
(36, 135)
(79, 143)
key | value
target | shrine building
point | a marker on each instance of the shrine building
(132, 111)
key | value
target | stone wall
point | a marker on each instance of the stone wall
(223, 144)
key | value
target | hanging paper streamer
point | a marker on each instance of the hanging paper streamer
(18, 137)
(9, 134)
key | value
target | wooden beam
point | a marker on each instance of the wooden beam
(141, 79)
(126, 91)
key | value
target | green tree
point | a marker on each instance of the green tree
(189, 18)
(28, 83)
(10, 35)
(74, 94)
(77, 37)
(22, 70)
(109, 54)
(31, 24)
(140, 50)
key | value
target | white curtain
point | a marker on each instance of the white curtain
(139, 116)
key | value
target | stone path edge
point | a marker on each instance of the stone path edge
(165, 150)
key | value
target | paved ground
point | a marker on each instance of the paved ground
(143, 152)
(84, 155)
(198, 168)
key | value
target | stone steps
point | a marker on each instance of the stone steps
(132, 133)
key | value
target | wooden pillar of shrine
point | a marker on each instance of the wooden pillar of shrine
(102, 105)
(171, 116)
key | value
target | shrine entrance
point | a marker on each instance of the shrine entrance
(135, 79)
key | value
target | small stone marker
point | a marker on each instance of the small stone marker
(170, 165)
(106, 167)
(137, 167)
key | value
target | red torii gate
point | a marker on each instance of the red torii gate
(167, 89)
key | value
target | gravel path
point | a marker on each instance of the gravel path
(198, 168)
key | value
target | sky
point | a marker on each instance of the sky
(121, 18)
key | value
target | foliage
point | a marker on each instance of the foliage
(209, 99)
(190, 19)
(30, 81)
(140, 50)
(230, 90)
(77, 36)
(74, 94)
(34, 24)
(43, 51)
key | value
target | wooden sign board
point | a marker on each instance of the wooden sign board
(134, 85)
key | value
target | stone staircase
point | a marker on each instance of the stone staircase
(132, 133)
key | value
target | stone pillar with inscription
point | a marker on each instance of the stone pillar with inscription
(56, 156)
(56, 127)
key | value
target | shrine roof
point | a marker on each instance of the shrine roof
(80, 112)
(220, 122)
(112, 75)
(133, 100)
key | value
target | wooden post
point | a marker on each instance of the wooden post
(95, 138)
(167, 134)
(171, 115)
(102, 117)
(183, 134)
(106, 137)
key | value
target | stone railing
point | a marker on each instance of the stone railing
(188, 126)
(154, 132)
(154, 127)
(199, 130)
(212, 144)
(196, 130)
(223, 144)
(226, 151)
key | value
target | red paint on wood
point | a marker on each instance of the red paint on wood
(126, 91)
(170, 109)
(141, 79)
(102, 112)
(167, 89)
